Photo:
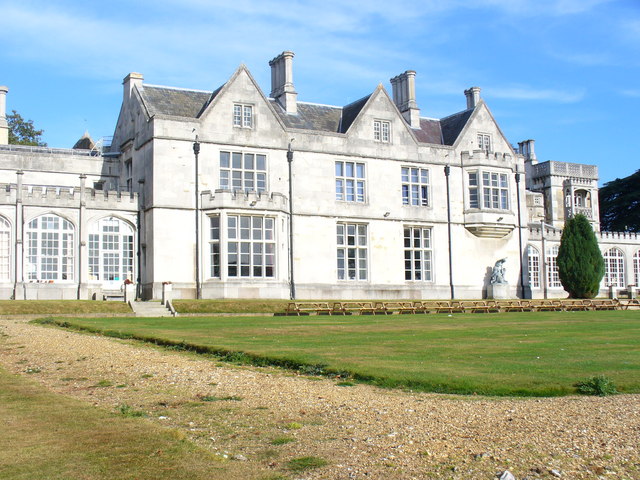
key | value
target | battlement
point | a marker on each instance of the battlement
(58, 196)
(555, 234)
(239, 199)
(565, 169)
(485, 155)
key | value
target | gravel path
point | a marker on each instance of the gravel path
(267, 416)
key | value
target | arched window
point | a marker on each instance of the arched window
(582, 198)
(636, 267)
(50, 249)
(553, 278)
(614, 267)
(110, 250)
(534, 267)
(5, 248)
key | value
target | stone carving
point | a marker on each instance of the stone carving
(498, 273)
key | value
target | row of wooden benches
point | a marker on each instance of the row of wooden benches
(455, 306)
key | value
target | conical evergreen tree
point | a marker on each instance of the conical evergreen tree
(580, 263)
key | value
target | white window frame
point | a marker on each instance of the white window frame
(382, 131)
(215, 257)
(484, 142)
(418, 254)
(614, 273)
(250, 246)
(553, 276)
(636, 268)
(242, 115)
(128, 168)
(350, 181)
(533, 264)
(50, 252)
(415, 186)
(243, 171)
(489, 190)
(5, 249)
(111, 251)
(352, 253)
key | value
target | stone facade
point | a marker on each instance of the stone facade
(233, 194)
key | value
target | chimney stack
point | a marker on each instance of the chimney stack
(130, 82)
(404, 96)
(473, 97)
(282, 82)
(4, 126)
(527, 149)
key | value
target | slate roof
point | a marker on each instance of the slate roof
(452, 126)
(311, 116)
(322, 118)
(174, 102)
(351, 111)
(429, 131)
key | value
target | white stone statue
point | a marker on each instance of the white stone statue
(498, 273)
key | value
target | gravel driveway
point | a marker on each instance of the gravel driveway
(268, 416)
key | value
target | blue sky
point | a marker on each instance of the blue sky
(563, 72)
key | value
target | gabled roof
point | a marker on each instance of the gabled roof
(322, 118)
(452, 126)
(351, 111)
(310, 116)
(173, 101)
(430, 131)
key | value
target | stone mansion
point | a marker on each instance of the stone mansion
(232, 193)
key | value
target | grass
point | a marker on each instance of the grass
(230, 306)
(526, 354)
(305, 463)
(60, 307)
(50, 436)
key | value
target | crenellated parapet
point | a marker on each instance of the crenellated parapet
(555, 234)
(618, 236)
(67, 197)
(476, 157)
(239, 199)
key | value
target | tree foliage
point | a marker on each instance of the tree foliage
(580, 263)
(620, 204)
(22, 132)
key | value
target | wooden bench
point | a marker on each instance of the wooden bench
(307, 308)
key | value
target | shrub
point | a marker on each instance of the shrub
(599, 385)
(580, 263)
(305, 463)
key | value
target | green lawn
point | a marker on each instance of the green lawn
(542, 353)
(58, 307)
(49, 436)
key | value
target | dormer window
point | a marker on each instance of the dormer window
(484, 142)
(381, 131)
(242, 115)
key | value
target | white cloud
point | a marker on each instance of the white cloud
(545, 7)
(635, 93)
(537, 94)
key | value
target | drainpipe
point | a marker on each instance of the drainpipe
(141, 208)
(292, 292)
(544, 261)
(81, 242)
(520, 234)
(196, 151)
(19, 249)
(447, 171)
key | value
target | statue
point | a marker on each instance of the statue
(498, 273)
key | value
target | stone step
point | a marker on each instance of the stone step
(150, 309)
